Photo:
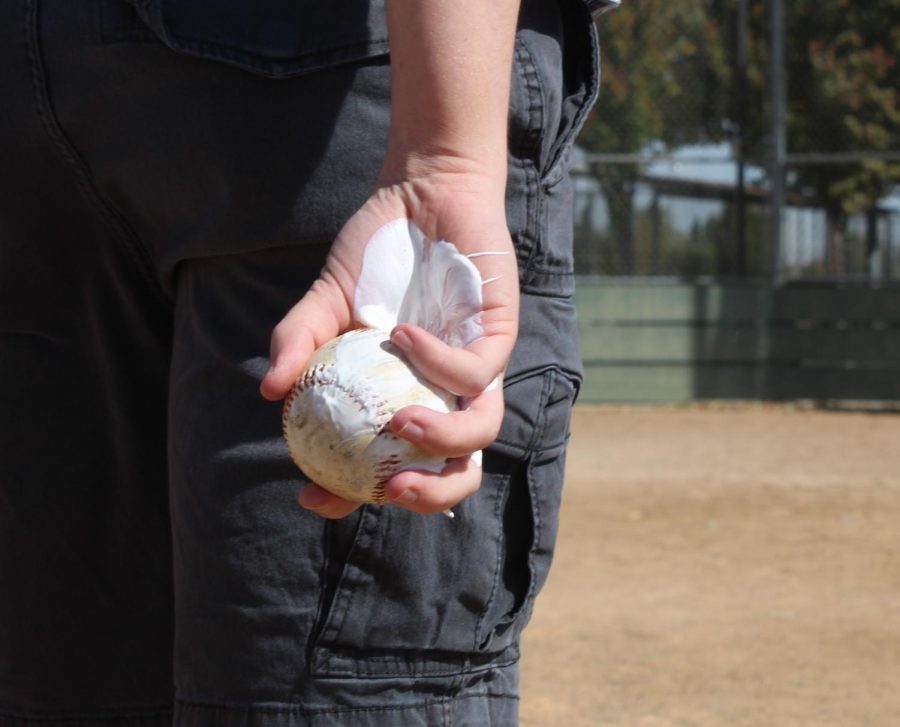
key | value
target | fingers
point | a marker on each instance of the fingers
(323, 503)
(315, 319)
(427, 493)
(468, 371)
(462, 371)
(455, 434)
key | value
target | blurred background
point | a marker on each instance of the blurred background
(738, 202)
(729, 549)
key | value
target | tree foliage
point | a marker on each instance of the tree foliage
(670, 78)
(844, 82)
(657, 56)
(664, 64)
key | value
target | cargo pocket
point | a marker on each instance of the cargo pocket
(273, 38)
(556, 78)
(554, 84)
(531, 515)
(433, 596)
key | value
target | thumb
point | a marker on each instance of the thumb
(314, 320)
(289, 352)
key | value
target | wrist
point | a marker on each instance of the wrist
(472, 140)
(444, 167)
(450, 76)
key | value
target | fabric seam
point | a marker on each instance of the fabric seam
(217, 45)
(418, 667)
(340, 605)
(150, 713)
(68, 152)
(480, 638)
(556, 165)
(311, 711)
(304, 63)
(536, 98)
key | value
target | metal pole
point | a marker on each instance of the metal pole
(656, 227)
(889, 242)
(779, 133)
(741, 114)
(873, 252)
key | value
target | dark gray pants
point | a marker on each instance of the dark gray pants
(159, 213)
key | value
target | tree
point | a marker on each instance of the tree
(662, 65)
(670, 79)
(844, 82)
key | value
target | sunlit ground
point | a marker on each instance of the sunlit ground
(722, 566)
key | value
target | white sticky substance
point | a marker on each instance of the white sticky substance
(335, 419)
(406, 278)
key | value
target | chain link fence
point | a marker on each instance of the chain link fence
(744, 139)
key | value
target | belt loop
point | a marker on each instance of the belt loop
(599, 7)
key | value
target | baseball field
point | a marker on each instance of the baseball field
(722, 566)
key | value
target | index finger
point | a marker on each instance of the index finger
(462, 371)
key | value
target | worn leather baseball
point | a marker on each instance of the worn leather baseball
(335, 419)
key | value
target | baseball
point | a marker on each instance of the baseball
(335, 419)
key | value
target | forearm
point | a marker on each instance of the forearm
(450, 73)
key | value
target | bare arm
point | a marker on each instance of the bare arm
(450, 66)
(445, 168)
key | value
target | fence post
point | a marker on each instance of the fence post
(741, 114)
(779, 133)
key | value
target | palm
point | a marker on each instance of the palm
(463, 209)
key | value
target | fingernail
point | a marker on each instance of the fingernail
(406, 496)
(401, 340)
(410, 431)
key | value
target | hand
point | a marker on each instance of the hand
(449, 199)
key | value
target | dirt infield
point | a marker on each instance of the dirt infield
(722, 567)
